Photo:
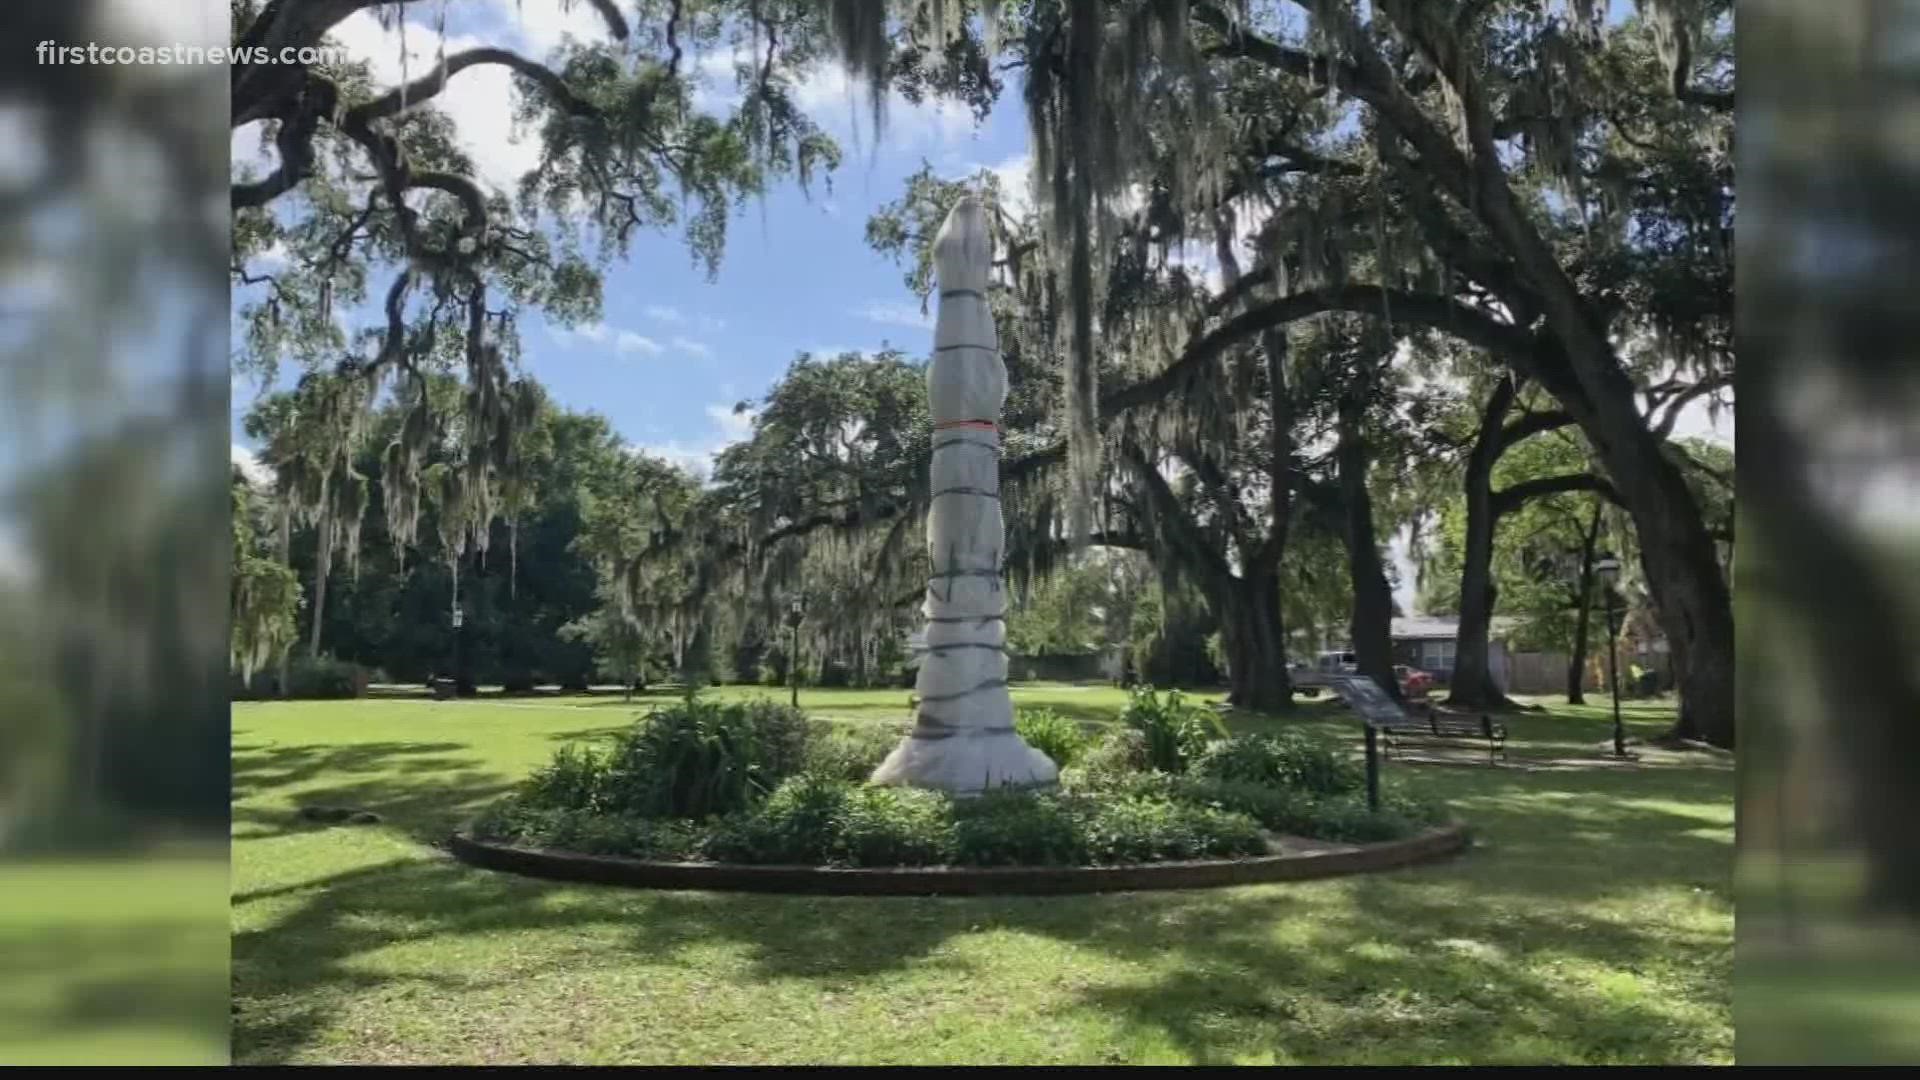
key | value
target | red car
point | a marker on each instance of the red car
(1414, 683)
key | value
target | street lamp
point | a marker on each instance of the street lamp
(793, 650)
(1608, 568)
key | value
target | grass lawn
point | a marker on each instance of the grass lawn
(114, 961)
(1593, 922)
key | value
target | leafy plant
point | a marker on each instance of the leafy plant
(893, 827)
(1175, 731)
(1016, 829)
(796, 824)
(1283, 810)
(574, 780)
(850, 754)
(1287, 761)
(1052, 734)
(1121, 752)
(698, 758)
(1136, 830)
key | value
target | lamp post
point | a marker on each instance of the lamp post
(1608, 568)
(793, 651)
(458, 619)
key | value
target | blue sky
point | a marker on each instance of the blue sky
(675, 351)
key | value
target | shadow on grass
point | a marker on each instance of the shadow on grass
(1495, 957)
(418, 787)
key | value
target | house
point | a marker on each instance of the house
(1427, 642)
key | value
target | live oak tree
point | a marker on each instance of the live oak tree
(1572, 179)
(370, 252)
(265, 592)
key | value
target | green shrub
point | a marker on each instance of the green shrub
(1016, 829)
(585, 831)
(1175, 731)
(1120, 752)
(1054, 735)
(796, 824)
(1347, 819)
(696, 758)
(1283, 810)
(890, 826)
(323, 678)
(850, 754)
(1137, 830)
(574, 780)
(1288, 761)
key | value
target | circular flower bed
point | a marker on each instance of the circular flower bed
(760, 784)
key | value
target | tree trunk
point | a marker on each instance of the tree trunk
(1471, 684)
(1677, 552)
(1255, 640)
(1582, 609)
(322, 569)
(1371, 625)
(286, 559)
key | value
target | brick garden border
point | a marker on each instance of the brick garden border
(958, 881)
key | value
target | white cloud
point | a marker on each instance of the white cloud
(729, 427)
(543, 24)
(662, 313)
(252, 467)
(248, 146)
(734, 426)
(594, 332)
(480, 100)
(628, 341)
(692, 347)
(838, 102)
(1015, 176)
(894, 313)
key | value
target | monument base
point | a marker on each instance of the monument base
(966, 763)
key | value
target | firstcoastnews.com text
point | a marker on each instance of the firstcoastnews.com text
(52, 52)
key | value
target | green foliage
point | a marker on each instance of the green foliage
(1016, 829)
(1284, 761)
(697, 758)
(1121, 751)
(325, 678)
(850, 754)
(796, 824)
(1284, 810)
(265, 592)
(589, 832)
(1052, 734)
(576, 779)
(1175, 731)
(891, 826)
(1137, 830)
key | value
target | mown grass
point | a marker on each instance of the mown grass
(113, 961)
(1593, 922)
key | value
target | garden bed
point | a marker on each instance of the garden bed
(756, 795)
(1428, 846)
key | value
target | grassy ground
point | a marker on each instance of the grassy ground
(1592, 923)
(114, 961)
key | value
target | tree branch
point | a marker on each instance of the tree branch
(428, 86)
(1533, 424)
(1679, 401)
(1448, 316)
(1509, 499)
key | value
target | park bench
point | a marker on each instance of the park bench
(1435, 724)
